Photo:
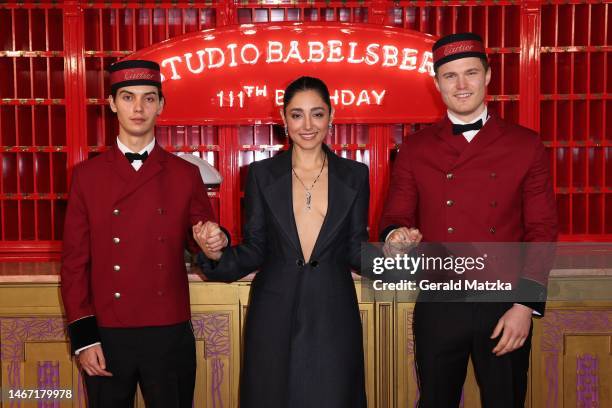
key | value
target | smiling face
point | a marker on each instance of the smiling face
(307, 118)
(137, 108)
(462, 84)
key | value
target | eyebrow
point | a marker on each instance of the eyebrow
(132, 93)
(302, 110)
(467, 70)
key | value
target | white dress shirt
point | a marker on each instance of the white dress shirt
(136, 163)
(469, 135)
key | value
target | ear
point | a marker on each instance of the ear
(162, 101)
(331, 115)
(488, 76)
(111, 102)
(436, 83)
(282, 113)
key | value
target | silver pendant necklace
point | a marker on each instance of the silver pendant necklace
(308, 193)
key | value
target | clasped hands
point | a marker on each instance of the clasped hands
(210, 238)
(401, 241)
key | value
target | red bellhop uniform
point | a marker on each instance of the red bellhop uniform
(497, 188)
(124, 240)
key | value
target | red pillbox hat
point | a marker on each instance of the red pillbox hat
(455, 46)
(134, 72)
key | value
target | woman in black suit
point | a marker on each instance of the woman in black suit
(307, 212)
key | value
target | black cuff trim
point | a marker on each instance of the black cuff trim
(83, 332)
(383, 234)
(531, 294)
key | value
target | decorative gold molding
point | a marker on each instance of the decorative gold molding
(31, 323)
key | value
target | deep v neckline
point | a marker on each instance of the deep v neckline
(325, 218)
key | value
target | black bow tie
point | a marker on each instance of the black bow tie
(136, 156)
(459, 129)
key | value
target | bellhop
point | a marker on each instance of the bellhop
(473, 177)
(124, 282)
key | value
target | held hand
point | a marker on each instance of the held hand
(199, 235)
(402, 240)
(215, 238)
(202, 233)
(93, 362)
(515, 324)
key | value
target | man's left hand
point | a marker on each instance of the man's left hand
(216, 239)
(210, 238)
(515, 324)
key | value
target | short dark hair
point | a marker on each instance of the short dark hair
(485, 65)
(306, 83)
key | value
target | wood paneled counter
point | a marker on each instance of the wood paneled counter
(571, 361)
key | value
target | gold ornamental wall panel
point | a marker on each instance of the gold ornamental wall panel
(571, 359)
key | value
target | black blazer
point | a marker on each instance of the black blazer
(303, 338)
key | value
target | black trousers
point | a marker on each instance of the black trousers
(161, 359)
(446, 335)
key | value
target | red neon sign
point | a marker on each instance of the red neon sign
(237, 74)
